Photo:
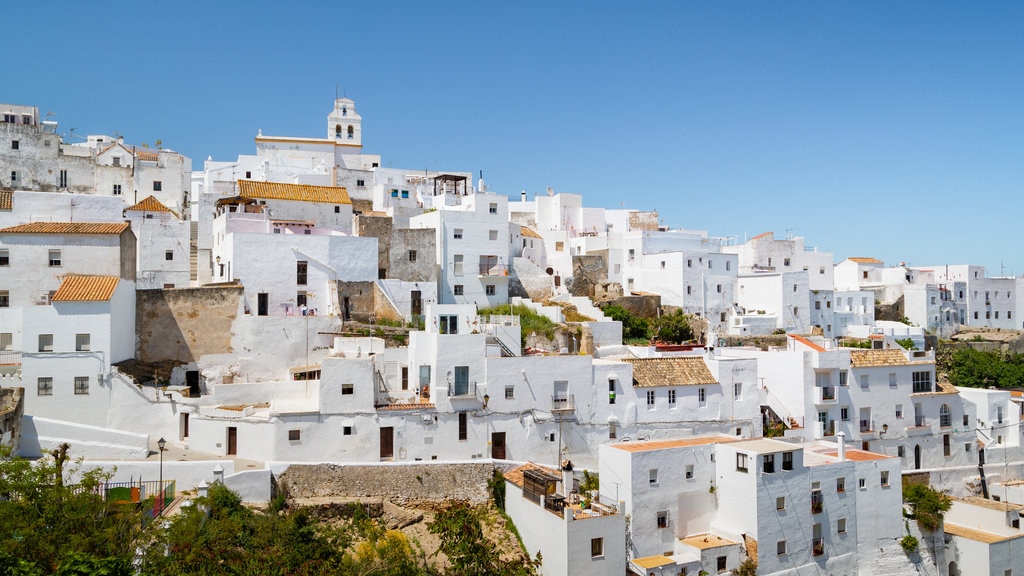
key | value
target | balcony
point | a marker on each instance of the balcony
(817, 502)
(818, 546)
(462, 391)
(10, 362)
(563, 403)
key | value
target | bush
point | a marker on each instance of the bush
(909, 543)
(927, 504)
(633, 327)
(673, 328)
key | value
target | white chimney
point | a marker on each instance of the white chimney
(841, 442)
(567, 478)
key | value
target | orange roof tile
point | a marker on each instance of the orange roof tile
(67, 228)
(515, 475)
(86, 289)
(529, 233)
(656, 561)
(763, 235)
(806, 342)
(147, 155)
(869, 358)
(410, 406)
(676, 371)
(975, 534)
(648, 445)
(859, 455)
(704, 541)
(299, 192)
(150, 204)
(6, 199)
(863, 260)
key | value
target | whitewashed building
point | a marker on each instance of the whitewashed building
(164, 250)
(985, 537)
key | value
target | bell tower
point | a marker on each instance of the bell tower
(344, 125)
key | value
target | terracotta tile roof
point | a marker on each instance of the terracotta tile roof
(680, 371)
(86, 289)
(6, 199)
(410, 406)
(862, 260)
(67, 228)
(976, 535)
(762, 235)
(704, 541)
(300, 192)
(656, 561)
(869, 358)
(806, 342)
(991, 504)
(150, 204)
(648, 445)
(515, 475)
(859, 455)
(529, 233)
(147, 155)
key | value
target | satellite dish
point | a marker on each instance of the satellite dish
(551, 191)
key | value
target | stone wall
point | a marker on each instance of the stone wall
(361, 300)
(12, 407)
(423, 241)
(182, 324)
(588, 272)
(396, 482)
(379, 227)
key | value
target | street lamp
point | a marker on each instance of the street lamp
(160, 444)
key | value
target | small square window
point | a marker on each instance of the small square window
(54, 258)
(493, 208)
(510, 392)
(82, 342)
(169, 255)
(840, 484)
(5, 299)
(596, 547)
(46, 342)
(360, 183)
(117, 190)
(780, 547)
(337, 209)
(780, 503)
(652, 476)
(81, 384)
(405, 193)
(741, 462)
(394, 193)
(294, 435)
(348, 389)
(457, 234)
(457, 289)
(157, 186)
(15, 144)
(489, 290)
(44, 386)
(663, 519)
(841, 526)
(492, 234)
(5, 257)
(346, 430)
(862, 483)
(412, 255)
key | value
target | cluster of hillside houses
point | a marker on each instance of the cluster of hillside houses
(262, 290)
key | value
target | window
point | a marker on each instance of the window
(62, 180)
(718, 288)
(348, 389)
(780, 547)
(794, 287)
(457, 290)
(405, 193)
(559, 246)
(663, 519)
(157, 186)
(489, 289)
(701, 396)
(301, 299)
(899, 411)
(892, 379)
(301, 272)
(46, 342)
(769, 463)
(922, 381)
(412, 255)
(864, 381)
(394, 193)
(689, 263)
(689, 471)
(612, 432)
(672, 397)
(596, 547)
(168, 255)
(841, 526)
(117, 190)
(611, 391)
(44, 386)
(650, 397)
(901, 451)
(728, 265)
(54, 258)
(737, 390)
(294, 435)
(457, 234)
(689, 289)
(360, 183)
(6, 341)
(885, 477)
(841, 484)
(652, 476)
(844, 413)
(721, 563)
(82, 342)
(81, 384)
(337, 209)
(945, 419)
(787, 460)
(946, 450)
(741, 462)
(5, 257)
(346, 430)
(632, 254)
(493, 208)
(448, 324)
(5, 299)
(15, 144)
(463, 426)
(510, 392)
(780, 503)
(457, 261)
(14, 176)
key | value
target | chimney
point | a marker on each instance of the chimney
(567, 478)
(522, 195)
(841, 443)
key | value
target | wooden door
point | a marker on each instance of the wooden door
(262, 304)
(387, 442)
(498, 445)
(417, 302)
(232, 441)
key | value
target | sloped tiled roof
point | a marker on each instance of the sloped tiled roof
(515, 475)
(147, 155)
(762, 235)
(150, 204)
(6, 200)
(684, 371)
(869, 358)
(650, 562)
(806, 342)
(67, 228)
(975, 534)
(86, 289)
(299, 192)
(529, 233)
(863, 260)
(409, 406)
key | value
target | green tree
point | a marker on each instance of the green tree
(906, 343)
(673, 328)
(633, 327)
(460, 531)
(927, 504)
(51, 526)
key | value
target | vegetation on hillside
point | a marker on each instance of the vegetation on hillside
(530, 322)
(980, 369)
(927, 505)
(669, 328)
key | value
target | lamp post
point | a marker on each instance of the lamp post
(160, 507)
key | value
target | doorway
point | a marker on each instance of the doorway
(498, 445)
(387, 443)
(232, 441)
(262, 303)
(183, 428)
(417, 302)
(917, 457)
(192, 380)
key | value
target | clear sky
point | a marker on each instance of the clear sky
(885, 129)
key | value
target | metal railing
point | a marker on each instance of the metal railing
(563, 402)
(462, 390)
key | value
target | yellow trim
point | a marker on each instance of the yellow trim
(305, 141)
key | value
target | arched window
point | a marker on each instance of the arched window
(344, 110)
(337, 131)
(351, 132)
(944, 417)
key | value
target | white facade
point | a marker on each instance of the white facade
(163, 247)
(985, 537)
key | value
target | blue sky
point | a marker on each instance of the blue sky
(893, 130)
